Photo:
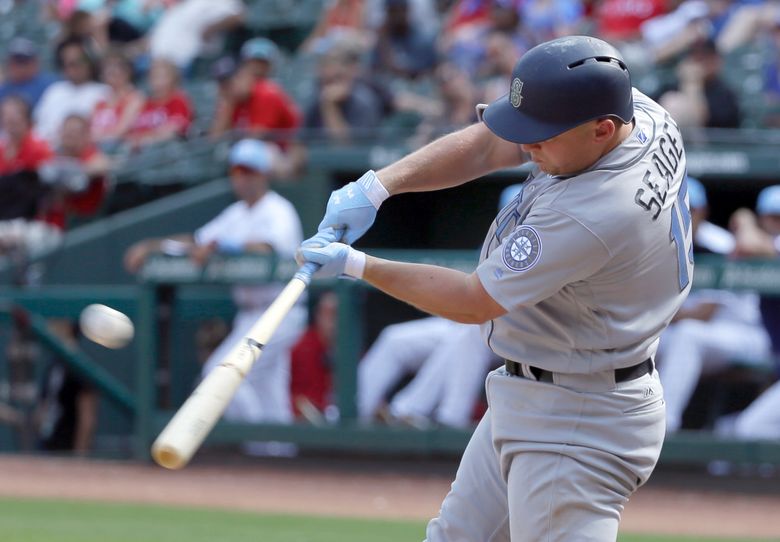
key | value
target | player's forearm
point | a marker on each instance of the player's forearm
(436, 290)
(451, 161)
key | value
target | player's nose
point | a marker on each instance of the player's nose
(528, 147)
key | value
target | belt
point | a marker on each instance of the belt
(542, 375)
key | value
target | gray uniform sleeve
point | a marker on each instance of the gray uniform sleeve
(539, 257)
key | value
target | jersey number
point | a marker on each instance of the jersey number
(679, 234)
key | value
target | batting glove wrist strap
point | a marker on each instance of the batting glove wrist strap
(373, 188)
(355, 264)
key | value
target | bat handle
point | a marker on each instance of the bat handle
(305, 272)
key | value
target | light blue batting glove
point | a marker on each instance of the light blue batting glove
(353, 207)
(335, 260)
(320, 239)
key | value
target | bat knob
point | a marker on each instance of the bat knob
(305, 272)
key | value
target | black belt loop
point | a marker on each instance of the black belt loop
(621, 375)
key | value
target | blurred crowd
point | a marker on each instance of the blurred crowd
(115, 79)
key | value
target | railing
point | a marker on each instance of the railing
(141, 302)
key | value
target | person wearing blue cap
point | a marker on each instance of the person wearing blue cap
(249, 102)
(259, 54)
(707, 237)
(22, 70)
(261, 221)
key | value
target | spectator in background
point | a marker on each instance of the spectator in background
(345, 106)
(123, 23)
(186, 29)
(759, 237)
(621, 20)
(451, 107)
(501, 54)
(467, 45)
(259, 55)
(403, 50)
(115, 115)
(422, 13)
(23, 75)
(700, 97)
(253, 106)
(340, 19)
(167, 113)
(260, 222)
(21, 154)
(78, 93)
(712, 330)
(549, 19)
(311, 367)
(20, 148)
(79, 25)
(707, 237)
(771, 84)
(727, 23)
(76, 177)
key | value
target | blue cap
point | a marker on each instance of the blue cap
(253, 154)
(508, 194)
(697, 195)
(769, 201)
(259, 49)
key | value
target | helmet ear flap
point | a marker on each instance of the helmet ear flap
(480, 108)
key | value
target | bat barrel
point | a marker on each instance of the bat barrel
(187, 430)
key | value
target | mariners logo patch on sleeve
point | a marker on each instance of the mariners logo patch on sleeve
(522, 249)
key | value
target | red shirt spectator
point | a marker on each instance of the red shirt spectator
(30, 153)
(268, 108)
(310, 365)
(309, 376)
(79, 153)
(156, 114)
(114, 116)
(167, 112)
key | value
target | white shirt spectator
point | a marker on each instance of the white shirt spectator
(272, 220)
(178, 35)
(65, 98)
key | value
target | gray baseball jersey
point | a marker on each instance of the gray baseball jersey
(591, 268)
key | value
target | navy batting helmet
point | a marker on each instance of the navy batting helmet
(561, 84)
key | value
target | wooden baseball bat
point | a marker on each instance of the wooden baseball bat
(184, 434)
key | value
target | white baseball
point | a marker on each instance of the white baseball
(106, 326)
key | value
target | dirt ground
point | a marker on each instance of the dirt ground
(677, 503)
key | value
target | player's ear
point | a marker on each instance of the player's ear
(605, 128)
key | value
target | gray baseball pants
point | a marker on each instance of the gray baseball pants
(554, 462)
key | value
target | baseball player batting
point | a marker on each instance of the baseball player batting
(577, 278)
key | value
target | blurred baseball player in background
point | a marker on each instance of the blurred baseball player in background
(261, 221)
(713, 329)
(759, 236)
(578, 277)
(450, 361)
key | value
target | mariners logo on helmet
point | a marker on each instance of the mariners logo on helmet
(515, 94)
(522, 249)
